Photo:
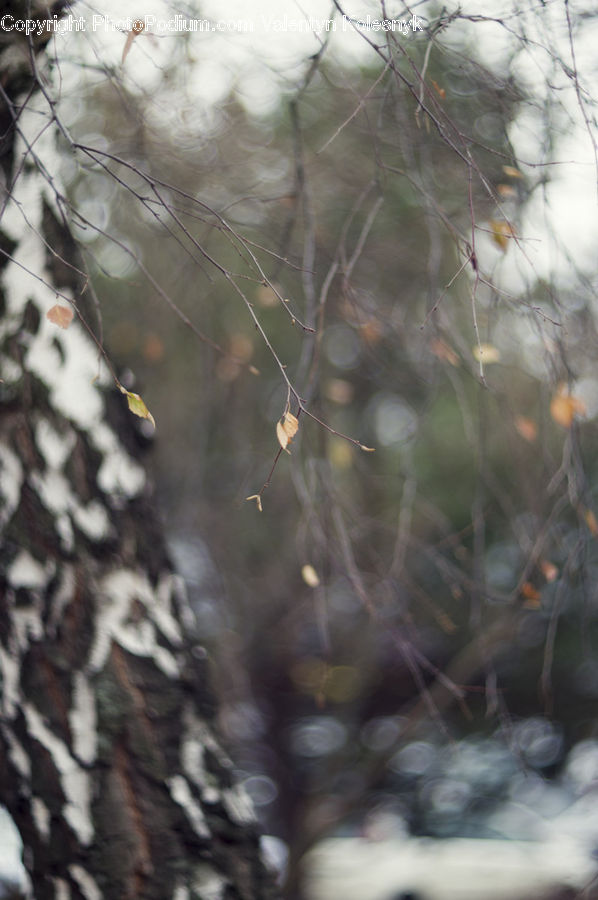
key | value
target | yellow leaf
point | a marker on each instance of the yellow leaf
(501, 232)
(367, 449)
(486, 353)
(512, 172)
(526, 428)
(591, 522)
(60, 315)
(286, 429)
(564, 407)
(137, 406)
(258, 500)
(310, 576)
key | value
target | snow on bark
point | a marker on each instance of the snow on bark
(108, 760)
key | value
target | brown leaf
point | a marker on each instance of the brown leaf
(60, 315)
(138, 27)
(530, 595)
(564, 407)
(512, 172)
(286, 429)
(501, 232)
(549, 570)
(527, 428)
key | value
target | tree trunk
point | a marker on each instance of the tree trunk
(108, 762)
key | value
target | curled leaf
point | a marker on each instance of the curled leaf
(286, 429)
(367, 449)
(310, 576)
(137, 406)
(60, 315)
(258, 501)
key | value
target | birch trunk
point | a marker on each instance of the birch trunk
(108, 762)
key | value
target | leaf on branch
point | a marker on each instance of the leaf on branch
(367, 449)
(439, 90)
(512, 172)
(531, 596)
(310, 576)
(137, 406)
(564, 407)
(527, 428)
(286, 429)
(501, 231)
(60, 315)
(138, 27)
(486, 353)
(549, 570)
(591, 522)
(258, 501)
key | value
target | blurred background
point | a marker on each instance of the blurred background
(395, 231)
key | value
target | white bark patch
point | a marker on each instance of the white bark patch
(207, 884)
(61, 889)
(26, 572)
(54, 447)
(118, 472)
(181, 794)
(192, 758)
(85, 883)
(83, 719)
(11, 480)
(74, 780)
(10, 673)
(238, 805)
(114, 622)
(41, 817)
(181, 893)
(17, 755)
(92, 520)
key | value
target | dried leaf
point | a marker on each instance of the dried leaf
(591, 522)
(286, 429)
(501, 231)
(565, 406)
(549, 570)
(60, 315)
(258, 501)
(512, 172)
(367, 449)
(439, 90)
(530, 595)
(486, 353)
(506, 190)
(310, 576)
(527, 428)
(138, 27)
(137, 406)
